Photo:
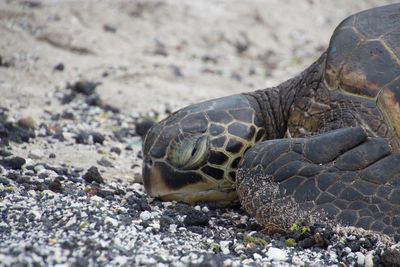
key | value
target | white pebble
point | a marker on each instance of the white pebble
(97, 199)
(360, 259)
(172, 228)
(257, 256)
(276, 254)
(32, 193)
(145, 215)
(39, 168)
(239, 248)
(228, 262)
(205, 209)
(347, 250)
(71, 221)
(369, 259)
(225, 251)
(120, 260)
(36, 154)
(197, 208)
(351, 237)
(113, 221)
(225, 247)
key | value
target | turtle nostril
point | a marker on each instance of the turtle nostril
(149, 163)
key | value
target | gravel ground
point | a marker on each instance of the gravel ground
(73, 109)
(66, 215)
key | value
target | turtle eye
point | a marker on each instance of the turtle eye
(189, 151)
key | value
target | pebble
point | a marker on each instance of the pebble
(36, 154)
(55, 186)
(59, 67)
(116, 150)
(369, 259)
(276, 254)
(111, 220)
(195, 217)
(82, 138)
(105, 163)
(98, 137)
(13, 163)
(109, 28)
(4, 181)
(93, 175)
(85, 87)
(360, 259)
(145, 215)
(27, 123)
(225, 247)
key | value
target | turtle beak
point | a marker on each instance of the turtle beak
(152, 179)
(160, 181)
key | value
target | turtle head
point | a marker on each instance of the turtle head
(193, 154)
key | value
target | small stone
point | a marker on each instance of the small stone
(4, 181)
(55, 186)
(347, 250)
(67, 115)
(116, 150)
(85, 87)
(66, 99)
(196, 229)
(5, 153)
(27, 123)
(109, 28)
(13, 176)
(369, 259)
(31, 4)
(39, 168)
(306, 243)
(143, 126)
(23, 180)
(82, 138)
(111, 220)
(106, 194)
(93, 174)
(172, 228)
(257, 256)
(94, 100)
(13, 163)
(52, 156)
(195, 217)
(113, 109)
(176, 71)
(360, 259)
(98, 138)
(59, 135)
(205, 209)
(145, 215)
(105, 163)
(354, 246)
(276, 254)
(225, 247)
(59, 67)
(35, 154)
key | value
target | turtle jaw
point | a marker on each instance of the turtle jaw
(166, 183)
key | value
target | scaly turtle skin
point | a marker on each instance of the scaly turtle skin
(326, 141)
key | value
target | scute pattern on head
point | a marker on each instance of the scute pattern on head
(175, 148)
(364, 60)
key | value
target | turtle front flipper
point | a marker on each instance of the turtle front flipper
(342, 175)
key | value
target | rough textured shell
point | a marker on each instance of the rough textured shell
(364, 59)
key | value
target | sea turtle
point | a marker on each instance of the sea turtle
(325, 141)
